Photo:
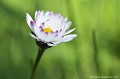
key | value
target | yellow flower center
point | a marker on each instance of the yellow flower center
(47, 29)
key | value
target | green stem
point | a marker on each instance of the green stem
(40, 53)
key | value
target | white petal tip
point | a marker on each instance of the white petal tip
(27, 15)
(69, 31)
(66, 19)
(69, 37)
(49, 44)
(70, 22)
(33, 36)
(75, 35)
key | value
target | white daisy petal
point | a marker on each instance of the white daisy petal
(69, 31)
(36, 14)
(57, 38)
(57, 42)
(54, 43)
(68, 37)
(50, 37)
(43, 36)
(47, 13)
(68, 24)
(29, 20)
(33, 36)
(50, 44)
(39, 18)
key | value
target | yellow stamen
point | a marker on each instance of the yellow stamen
(47, 29)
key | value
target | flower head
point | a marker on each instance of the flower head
(49, 28)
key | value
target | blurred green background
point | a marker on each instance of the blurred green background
(96, 50)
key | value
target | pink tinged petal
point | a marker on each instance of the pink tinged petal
(38, 21)
(69, 31)
(60, 30)
(40, 27)
(29, 20)
(56, 31)
(32, 23)
(39, 18)
(68, 37)
(42, 24)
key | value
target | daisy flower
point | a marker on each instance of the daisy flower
(49, 28)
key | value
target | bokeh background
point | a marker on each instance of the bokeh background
(96, 50)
